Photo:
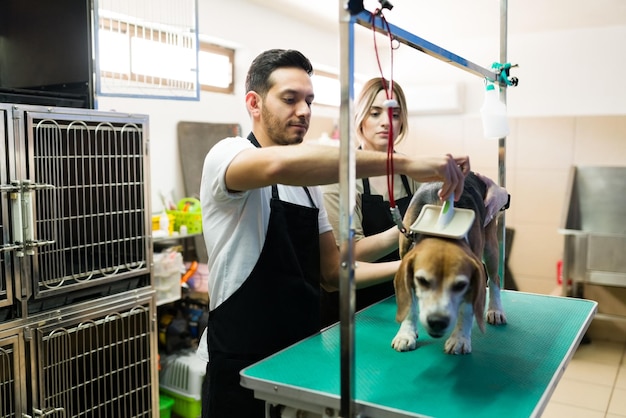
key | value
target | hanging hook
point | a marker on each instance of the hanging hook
(502, 71)
(395, 43)
(385, 4)
(355, 6)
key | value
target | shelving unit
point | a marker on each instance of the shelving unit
(167, 283)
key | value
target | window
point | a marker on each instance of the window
(328, 88)
(132, 55)
(147, 49)
(216, 68)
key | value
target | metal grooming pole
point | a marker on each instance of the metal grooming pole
(347, 187)
(351, 12)
(502, 141)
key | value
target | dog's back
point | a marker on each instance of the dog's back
(473, 198)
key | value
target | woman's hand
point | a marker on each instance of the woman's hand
(495, 199)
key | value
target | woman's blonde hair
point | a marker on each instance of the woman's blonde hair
(364, 102)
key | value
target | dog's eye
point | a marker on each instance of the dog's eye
(459, 286)
(421, 280)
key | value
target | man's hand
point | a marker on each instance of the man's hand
(453, 173)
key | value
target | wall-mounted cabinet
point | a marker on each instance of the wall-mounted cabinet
(46, 53)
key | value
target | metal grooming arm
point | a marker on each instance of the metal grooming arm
(422, 45)
(351, 13)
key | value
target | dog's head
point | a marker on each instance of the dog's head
(441, 273)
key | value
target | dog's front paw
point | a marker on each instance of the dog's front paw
(404, 341)
(458, 344)
(496, 317)
(495, 312)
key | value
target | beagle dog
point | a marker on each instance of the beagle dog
(446, 277)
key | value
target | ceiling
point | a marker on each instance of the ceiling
(467, 18)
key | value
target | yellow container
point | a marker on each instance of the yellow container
(156, 222)
(188, 213)
(193, 221)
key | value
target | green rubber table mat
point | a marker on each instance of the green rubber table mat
(512, 370)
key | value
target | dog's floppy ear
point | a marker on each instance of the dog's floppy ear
(404, 245)
(403, 283)
(478, 284)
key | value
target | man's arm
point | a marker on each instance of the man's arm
(314, 164)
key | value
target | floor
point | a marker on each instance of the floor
(593, 384)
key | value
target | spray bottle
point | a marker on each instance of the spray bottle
(493, 113)
(164, 223)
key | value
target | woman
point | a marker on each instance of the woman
(375, 232)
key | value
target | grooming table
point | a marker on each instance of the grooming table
(512, 370)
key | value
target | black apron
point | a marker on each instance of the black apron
(276, 306)
(376, 218)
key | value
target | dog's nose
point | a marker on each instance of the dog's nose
(438, 323)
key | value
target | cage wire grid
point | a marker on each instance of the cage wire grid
(95, 209)
(5, 150)
(8, 392)
(98, 368)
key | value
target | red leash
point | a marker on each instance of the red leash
(389, 104)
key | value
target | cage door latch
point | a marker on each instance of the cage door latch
(22, 217)
(38, 413)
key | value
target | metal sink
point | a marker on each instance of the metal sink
(594, 228)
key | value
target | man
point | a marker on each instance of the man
(269, 242)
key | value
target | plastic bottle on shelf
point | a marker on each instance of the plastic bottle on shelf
(493, 113)
(164, 223)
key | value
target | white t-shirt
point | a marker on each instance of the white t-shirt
(235, 224)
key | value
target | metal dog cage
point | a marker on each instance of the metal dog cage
(77, 304)
(6, 149)
(12, 378)
(90, 359)
(79, 211)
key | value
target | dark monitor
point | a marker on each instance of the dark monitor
(46, 53)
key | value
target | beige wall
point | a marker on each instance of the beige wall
(539, 154)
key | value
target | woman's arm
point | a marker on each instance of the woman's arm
(365, 274)
(374, 247)
(370, 248)
(496, 198)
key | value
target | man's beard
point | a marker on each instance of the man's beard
(276, 131)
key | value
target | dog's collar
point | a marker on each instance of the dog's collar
(416, 237)
(508, 203)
